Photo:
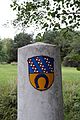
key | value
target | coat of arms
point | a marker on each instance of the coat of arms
(41, 72)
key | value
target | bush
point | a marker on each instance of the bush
(13, 63)
(71, 100)
(72, 60)
(78, 68)
(8, 105)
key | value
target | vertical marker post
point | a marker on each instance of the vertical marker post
(39, 83)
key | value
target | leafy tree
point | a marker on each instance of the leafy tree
(39, 38)
(8, 48)
(63, 38)
(3, 56)
(48, 13)
(51, 37)
(66, 39)
(76, 44)
(21, 40)
(0, 45)
(73, 58)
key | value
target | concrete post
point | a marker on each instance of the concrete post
(39, 83)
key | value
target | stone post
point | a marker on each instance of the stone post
(39, 83)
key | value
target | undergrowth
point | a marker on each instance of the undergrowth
(8, 105)
(71, 93)
(8, 93)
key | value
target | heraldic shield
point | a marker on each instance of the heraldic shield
(41, 72)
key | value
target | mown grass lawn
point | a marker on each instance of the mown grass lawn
(71, 89)
(70, 74)
(8, 74)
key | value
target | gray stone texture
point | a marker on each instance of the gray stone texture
(34, 104)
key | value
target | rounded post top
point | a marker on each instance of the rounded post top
(38, 44)
(41, 43)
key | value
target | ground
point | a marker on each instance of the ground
(70, 82)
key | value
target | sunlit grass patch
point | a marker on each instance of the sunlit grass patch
(8, 74)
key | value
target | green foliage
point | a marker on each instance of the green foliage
(71, 93)
(78, 68)
(76, 43)
(72, 60)
(0, 45)
(48, 13)
(63, 38)
(8, 93)
(3, 56)
(71, 100)
(67, 39)
(51, 37)
(69, 43)
(21, 40)
(8, 105)
(9, 47)
(39, 38)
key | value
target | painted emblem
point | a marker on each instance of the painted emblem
(41, 72)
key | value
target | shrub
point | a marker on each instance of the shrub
(72, 60)
(8, 105)
(13, 63)
(78, 68)
(71, 100)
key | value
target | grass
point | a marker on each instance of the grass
(8, 96)
(71, 92)
(8, 74)
(70, 74)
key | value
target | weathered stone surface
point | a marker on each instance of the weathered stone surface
(34, 104)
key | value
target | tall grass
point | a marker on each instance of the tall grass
(71, 93)
(8, 94)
